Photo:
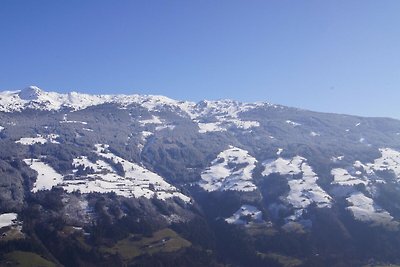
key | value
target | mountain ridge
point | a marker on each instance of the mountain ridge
(110, 170)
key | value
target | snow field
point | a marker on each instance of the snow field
(137, 181)
(231, 170)
(249, 211)
(7, 219)
(304, 189)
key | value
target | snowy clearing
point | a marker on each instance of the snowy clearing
(153, 120)
(210, 127)
(39, 139)
(343, 177)
(231, 170)
(302, 181)
(7, 219)
(389, 161)
(292, 123)
(65, 120)
(364, 209)
(47, 177)
(101, 177)
(244, 215)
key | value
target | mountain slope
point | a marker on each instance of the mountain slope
(88, 173)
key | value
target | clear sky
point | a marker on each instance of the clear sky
(336, 56)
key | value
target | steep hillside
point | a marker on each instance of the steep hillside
(116, 180)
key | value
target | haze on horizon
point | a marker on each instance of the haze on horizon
(331, 56)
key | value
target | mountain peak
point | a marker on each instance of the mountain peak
(30, 93)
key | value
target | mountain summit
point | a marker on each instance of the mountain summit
(30, 93)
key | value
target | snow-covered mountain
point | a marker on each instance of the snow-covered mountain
(111, 168)
(35, 98)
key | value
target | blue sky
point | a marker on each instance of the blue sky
(334, 56)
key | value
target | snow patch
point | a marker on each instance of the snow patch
(244, 215)
(364, 209)
(343, 177)
(163, 127)
(389, 161)
(47, 177)
(101, 177)
(210, 127)
(39, 139)
(7, 219)
(315, 134)
(146, 134)
(293, 123)
(338, 158)
(153, 120)
(302, 181)
(231, 170)
(65, 120)
(224, 112)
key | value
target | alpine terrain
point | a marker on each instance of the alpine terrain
(141, 180)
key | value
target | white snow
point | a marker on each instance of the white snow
(280, 150)
(153, 120)
(358, 124)
(338, 158)
(389, 161)
(244, 124)
(39, 139)
(251, 213)
(146, 134)
(34, 97)
(226, 114)
(210, 127)
(47, 177)
(302, 181)
(364, 209)
(1, 128)
(163, 127)
(283, 166)
(98, 166)
(65, 120)
(31, 140)
(7, 219)
(292, 123)
(343, 177)
(137, 181)
(315, 134)
(231, 170)
(87, 129)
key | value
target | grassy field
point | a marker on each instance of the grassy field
(165, 240)
(260, 229)
(383, 265)
(285, 261)
(13, 233)
(25, 259)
